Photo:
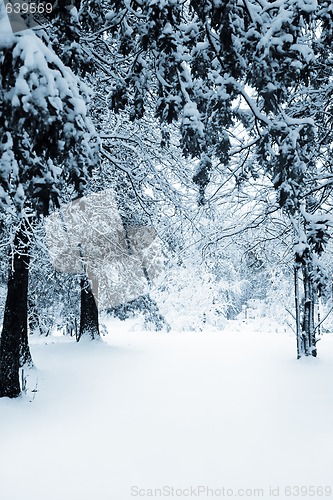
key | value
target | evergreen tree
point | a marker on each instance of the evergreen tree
(47, 143)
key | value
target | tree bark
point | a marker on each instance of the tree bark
(89, 311)
(14, 347)
(308, 326)
(298, 316)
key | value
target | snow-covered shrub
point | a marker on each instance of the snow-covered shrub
(192, 297)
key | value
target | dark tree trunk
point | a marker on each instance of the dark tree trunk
(305, 312)
(308, 314)
(89, 311)
(14, 347)
(300, 349)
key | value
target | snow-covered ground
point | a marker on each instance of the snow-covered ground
(231, 411)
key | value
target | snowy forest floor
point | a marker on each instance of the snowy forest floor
(230, 409)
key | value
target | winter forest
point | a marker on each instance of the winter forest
(166, 261)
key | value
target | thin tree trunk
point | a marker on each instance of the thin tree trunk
(312, 331)
(298, 317)
(306, 312)
(33, 319)
(318, 305)
(14, 347)
(89, 311)
(308, 315)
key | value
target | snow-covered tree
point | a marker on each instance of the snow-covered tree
(218, 66)
(47, 143)
(248, 85)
